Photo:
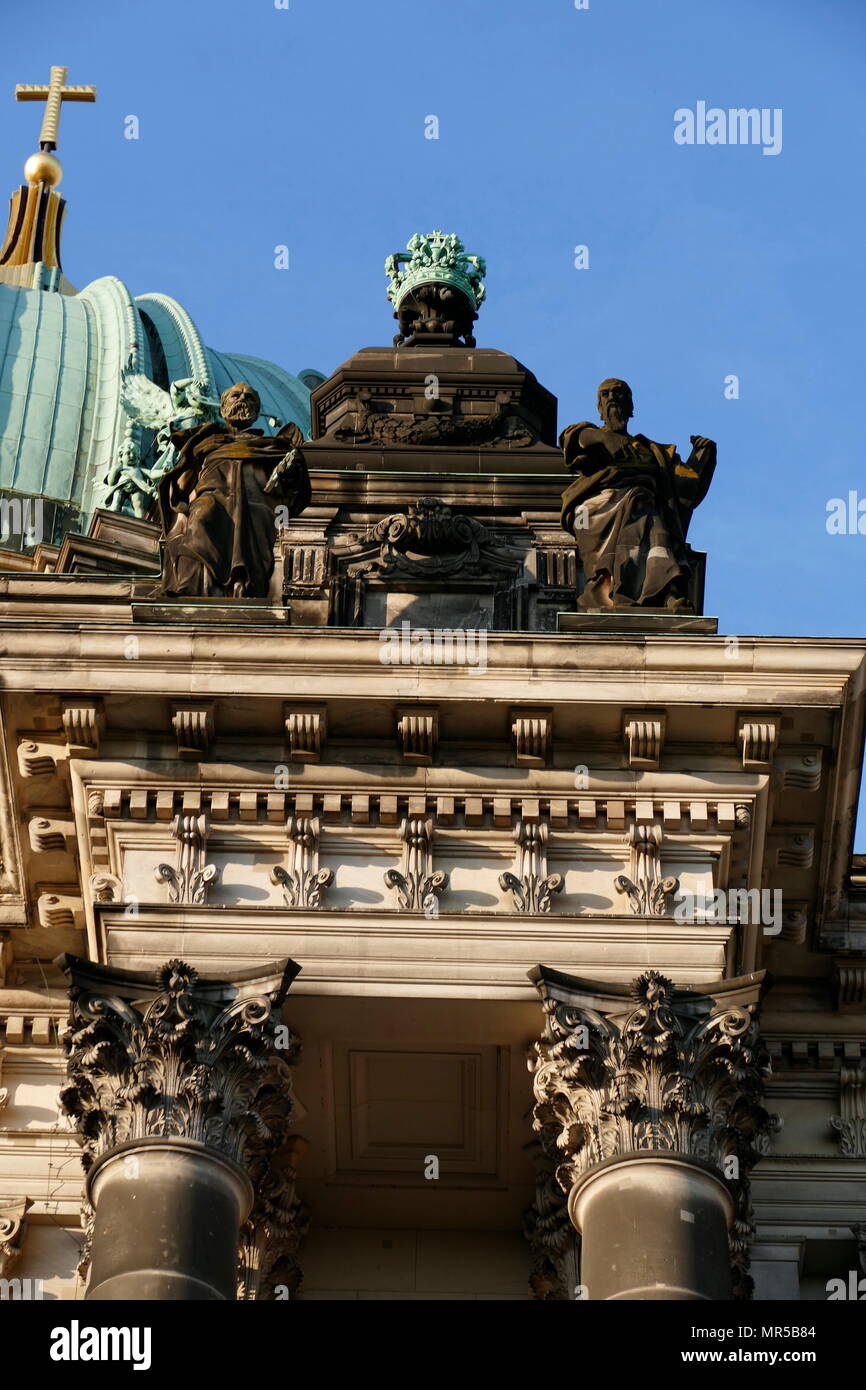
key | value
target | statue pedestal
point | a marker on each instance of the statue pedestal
(637, 620)
(240, 613)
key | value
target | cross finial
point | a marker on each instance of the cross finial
(55, 93)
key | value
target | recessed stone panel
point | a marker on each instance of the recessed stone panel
(396, 1108)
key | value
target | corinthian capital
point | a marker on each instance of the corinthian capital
(177, 1056)
(623, 1071)
(649, 1067)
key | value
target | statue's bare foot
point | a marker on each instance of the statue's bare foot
(678, 605)
(596, 593)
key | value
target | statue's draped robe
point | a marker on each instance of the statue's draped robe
(629, 513)
(217, 518)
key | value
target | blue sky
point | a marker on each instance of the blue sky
(305, 126)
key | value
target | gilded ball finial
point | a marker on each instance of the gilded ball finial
(43, 167)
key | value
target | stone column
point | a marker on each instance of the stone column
(648, 1109)
(180, 1087)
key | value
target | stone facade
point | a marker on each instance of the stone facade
(418, 771)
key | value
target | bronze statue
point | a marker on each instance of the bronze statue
(218, 503)
(630, 507)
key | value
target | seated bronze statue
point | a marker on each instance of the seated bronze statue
(630, 506)
(218, 503)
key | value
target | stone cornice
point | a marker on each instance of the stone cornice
(687, 657)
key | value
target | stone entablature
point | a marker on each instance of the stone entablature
(245, 839)
(384, 952)
(91, 785)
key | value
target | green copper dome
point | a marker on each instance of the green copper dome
(63, 359)
(93, 382)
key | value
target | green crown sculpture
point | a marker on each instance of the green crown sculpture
(438, 258)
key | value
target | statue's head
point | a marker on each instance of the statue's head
(240, 405)
(615, 404)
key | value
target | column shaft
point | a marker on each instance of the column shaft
(166, 1222)
(653, 1227)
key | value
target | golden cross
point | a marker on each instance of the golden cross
(55, 93)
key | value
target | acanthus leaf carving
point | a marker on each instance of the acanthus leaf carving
(135, 1072)
(646, 890)
(190, 878)
(192, 1058)
(676, 1072)
(850, 1123)
(417, 885)
(303, 882)
(530, 885)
